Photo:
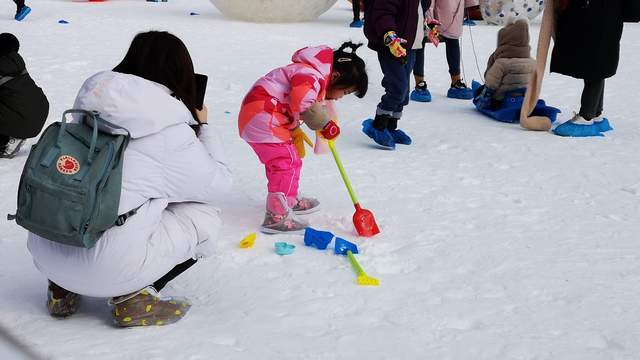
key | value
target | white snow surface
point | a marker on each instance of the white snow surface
(496, 243)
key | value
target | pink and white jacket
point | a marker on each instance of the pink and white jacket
(450, 13)
(273, 106)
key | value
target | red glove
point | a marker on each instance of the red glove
(330, 131)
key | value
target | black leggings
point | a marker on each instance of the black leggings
(19, 3)
(453, 57)
(177, 270)
(592, 98)
(356, 9)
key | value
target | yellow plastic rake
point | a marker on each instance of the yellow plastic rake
(363, 278)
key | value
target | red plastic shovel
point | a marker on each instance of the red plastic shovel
(363, 219)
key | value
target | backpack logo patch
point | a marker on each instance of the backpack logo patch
(67, 165)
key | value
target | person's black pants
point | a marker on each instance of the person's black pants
(19, 3)
(453, 57)
(592, 99)
(177, 270)
(356, 9)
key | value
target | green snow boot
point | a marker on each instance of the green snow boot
(61, 303)
(147, 307)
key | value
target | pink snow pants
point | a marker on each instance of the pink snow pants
(282, 166)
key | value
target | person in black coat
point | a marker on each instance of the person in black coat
(587, 46)
(23, 105)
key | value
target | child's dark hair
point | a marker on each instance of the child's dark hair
(351, 68)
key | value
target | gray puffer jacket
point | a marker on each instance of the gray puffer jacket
(511, 65)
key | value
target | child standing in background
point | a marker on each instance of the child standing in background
(449, 15)
(395, 30)
(276, 106)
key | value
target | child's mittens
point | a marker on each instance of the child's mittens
(434, 32)
(297, 136)
(330, 131)
(394, 43)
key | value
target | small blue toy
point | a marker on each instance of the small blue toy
(63, 21)
(283, 248)
(316, 238)
(341, 247)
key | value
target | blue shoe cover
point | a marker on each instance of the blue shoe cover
(356, 24)
(462, 94)
(400, 137)
(317, 238)
(577, 130)
(382, 138)
(23, 13)
(342, 246)
(421, 95)
(603, 125)
(283, 248)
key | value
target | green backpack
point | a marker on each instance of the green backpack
(70, 187)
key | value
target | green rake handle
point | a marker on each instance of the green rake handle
(354, 262)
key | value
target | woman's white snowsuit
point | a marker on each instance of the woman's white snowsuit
(174, 176)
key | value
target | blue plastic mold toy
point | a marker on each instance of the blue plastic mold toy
(316, 238)
(341, 247)
(283, 248)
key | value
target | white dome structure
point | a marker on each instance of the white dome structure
(496, 12)
(273, 11)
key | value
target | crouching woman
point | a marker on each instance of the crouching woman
(171, 175)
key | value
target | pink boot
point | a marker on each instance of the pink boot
(279, 218)
(306, 205)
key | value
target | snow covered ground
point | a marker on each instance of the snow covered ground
(496, 243)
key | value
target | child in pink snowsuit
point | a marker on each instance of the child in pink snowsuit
(276, 106)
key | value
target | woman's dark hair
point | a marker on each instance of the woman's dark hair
(161, 57)
(351, 68)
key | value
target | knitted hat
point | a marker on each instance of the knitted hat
(8, 43)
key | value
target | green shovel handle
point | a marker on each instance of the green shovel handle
(354, 262)
(336, 157)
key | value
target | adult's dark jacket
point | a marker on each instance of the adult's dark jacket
(382, 16)
(587, 41)
(23, 105)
